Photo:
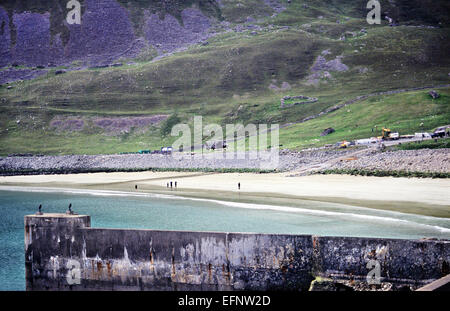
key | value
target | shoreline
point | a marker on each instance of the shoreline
(355, 160)
(307, 208)
(427, 197)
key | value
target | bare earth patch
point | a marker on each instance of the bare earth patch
(321, 69)
(111, 126)
(71, 124)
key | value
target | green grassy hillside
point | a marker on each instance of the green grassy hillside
(239, 77)
(405, 113)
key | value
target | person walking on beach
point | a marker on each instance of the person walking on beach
(175, 184)
(239, 186)
(171, 185)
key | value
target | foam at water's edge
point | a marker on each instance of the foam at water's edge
(254, 206)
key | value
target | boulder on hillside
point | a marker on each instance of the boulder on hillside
(327, 131)
(434, 94)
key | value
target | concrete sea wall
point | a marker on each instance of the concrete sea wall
(64, 253)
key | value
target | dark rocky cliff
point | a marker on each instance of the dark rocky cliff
(36, 33)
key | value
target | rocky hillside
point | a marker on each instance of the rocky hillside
(229, 60)
(36, 33)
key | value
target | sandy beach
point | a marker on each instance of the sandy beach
(409, 195)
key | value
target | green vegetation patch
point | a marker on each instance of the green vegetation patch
(426, 144)
(405, 113)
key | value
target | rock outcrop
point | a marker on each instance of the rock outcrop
(34, 34)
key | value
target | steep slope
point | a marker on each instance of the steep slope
(250, 55)
(36, 32)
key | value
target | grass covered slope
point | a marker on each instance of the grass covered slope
(405, 113)
(240, 76)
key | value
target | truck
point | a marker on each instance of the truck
(422, 135)
(144, 152)
(166, 150)
(440, 132)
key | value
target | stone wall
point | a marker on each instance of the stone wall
(304, 100)
(64, 253)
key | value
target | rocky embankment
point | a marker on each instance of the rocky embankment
(84, 163)
(424, 160)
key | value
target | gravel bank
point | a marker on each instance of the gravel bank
(424, 160)
(409, 160)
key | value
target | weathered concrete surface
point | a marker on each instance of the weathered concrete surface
(408, 260)
(64, 253)
(443, 284)
(47, 237)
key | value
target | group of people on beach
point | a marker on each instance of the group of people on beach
(171, 184)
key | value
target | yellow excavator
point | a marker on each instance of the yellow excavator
(344, 144)
(386, 134)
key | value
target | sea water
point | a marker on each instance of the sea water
(111, 209)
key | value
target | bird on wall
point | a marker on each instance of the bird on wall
(70, 212)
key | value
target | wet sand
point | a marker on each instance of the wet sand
(408, 195)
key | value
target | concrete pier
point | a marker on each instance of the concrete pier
(64, 253)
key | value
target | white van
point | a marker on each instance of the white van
(422, 135)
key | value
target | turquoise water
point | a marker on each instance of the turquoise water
(150, 211)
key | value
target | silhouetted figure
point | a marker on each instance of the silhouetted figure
(175, 184)
(167, 185)
(239, 186)
(135, 187)
(40, 208)
(70, 212)
(171, 185)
